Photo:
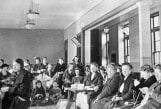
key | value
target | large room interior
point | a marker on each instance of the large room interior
(100, 31)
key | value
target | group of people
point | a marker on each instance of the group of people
(123, 88)
(114, 87)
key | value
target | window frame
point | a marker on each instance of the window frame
(153, 30)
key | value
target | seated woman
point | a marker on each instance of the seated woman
(77, 78)
(152, 99)
(110, 88)
(38, 67)
(147, 79)
(77, 63)
(5, 80)
(103, 73)
(20, 90)
(39, 91)
(54, 93)
(67, 78)
(125, 91)
(60, 67)
(95, 80)
(4, 75)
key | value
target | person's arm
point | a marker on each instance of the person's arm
(156, 96)
(55, 70)
(110, 88)
(129, 93)
(99, 83)
(21, 87)
(43, 92)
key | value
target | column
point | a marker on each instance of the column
(144, 31)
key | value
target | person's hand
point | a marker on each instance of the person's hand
(67, 80)
(144, 90)
(136, 82)
(4, 89)
(96, 88)
(95, 100)
(92, 85)
(150, 91)
(37, 95)
(114, 97)
(39, 71)
(118, 98)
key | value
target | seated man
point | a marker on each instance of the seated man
(110, 88)
(152, 99)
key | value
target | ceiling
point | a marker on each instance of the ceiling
(54, 14)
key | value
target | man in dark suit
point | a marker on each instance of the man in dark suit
(110, 88)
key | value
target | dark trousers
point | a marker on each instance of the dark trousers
(18, 104)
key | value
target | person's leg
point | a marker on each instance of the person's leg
(100, 103)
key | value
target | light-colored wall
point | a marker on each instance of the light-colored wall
(30, 43)
(113, 44)
(95, 13)
(134, 42)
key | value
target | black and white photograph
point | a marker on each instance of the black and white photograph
(80, 54)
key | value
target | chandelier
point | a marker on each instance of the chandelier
(32, 14)
(33, 11)
(29, 24)
(36, 1)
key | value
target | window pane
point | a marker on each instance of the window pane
(157, 37)
(157, 45)
(126, 31)
(128, 58)
(128, 50)
(157, 58)
(152, 42)
(128, 43)
(160, 58)
(156, 21)
(151, 23)
(107, 37)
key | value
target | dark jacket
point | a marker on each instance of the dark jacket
(146, 83)
(20, 89)
(111, 86)
(67, 76)
(37, 67)
(21, 85)
(127, 92)
(154, 101)
(97, 81)
(77, 79)
(58, 68)
(39, 91)
(80, 66)
(5, 77)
